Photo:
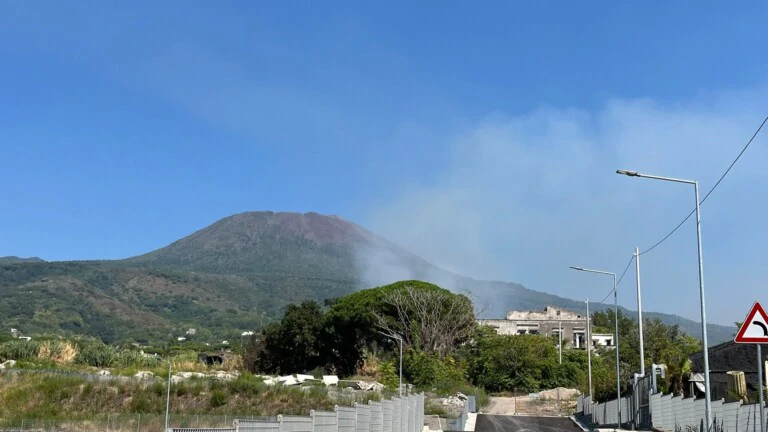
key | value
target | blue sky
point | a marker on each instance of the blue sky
(482, 137)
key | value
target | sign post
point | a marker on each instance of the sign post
(754, 330)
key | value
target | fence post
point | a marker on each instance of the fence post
(138, 423)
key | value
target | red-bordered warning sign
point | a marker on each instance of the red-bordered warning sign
(754, 329)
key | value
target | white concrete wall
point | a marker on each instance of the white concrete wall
(669, 413)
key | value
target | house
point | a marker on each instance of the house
(549, 322)
(723, 358)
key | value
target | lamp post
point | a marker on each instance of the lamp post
(707, 402)
(616, 319)
(589, 354)
(639, 311)
(168, 396)
(400, 340)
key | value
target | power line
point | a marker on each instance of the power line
(625, 270)
(710, 191)
(619, 281)
(658, 243)
(606, 297)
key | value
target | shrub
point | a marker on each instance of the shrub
(130, 358)
(425, 370)
(19, 350)
(96, 354)
(60, 352)
(389, 374)
(218, 398)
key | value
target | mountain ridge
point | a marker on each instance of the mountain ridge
(236, 274)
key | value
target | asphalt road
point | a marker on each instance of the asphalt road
(500, 423)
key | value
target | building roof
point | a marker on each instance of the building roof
(549, 313)
(729, 356)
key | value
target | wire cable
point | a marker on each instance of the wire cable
(625, 270)
(658, 243)
(606, 297)
(710, 191)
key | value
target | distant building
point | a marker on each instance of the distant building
(724, 358)
(549, 322)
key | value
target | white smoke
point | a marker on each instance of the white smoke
(524, 197)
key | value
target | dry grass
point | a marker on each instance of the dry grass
(232, 363)
(61, 353)
(370, 367)
(52, 396)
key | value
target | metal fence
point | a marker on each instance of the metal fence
(669, 414)
(397, 415)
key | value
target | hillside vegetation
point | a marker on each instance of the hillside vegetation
(355, 336)
(235, 275)
(444, 348)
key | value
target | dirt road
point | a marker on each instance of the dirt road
(501, 406)
(493, 423)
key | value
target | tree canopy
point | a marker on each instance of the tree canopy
(357, 335)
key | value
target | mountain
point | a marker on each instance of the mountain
(15, 259)
(235, 275)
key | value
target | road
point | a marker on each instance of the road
(503, 423)
(501, 405)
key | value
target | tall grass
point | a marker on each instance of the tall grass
(51, 396)
(19, 350)
(60, 352)
(83, 353)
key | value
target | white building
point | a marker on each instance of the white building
(549, 322)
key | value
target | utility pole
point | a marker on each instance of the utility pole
(702, 301)
(560, 337)
(639, 311)
(618, 367)
(760, 386)
(168, 395)
(400, 339)
(589, 354)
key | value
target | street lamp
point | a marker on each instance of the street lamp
(639, 311)
(168, 395)
(399, 339)
(616, 319)
(707, 402)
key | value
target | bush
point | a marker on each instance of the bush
(389, 374)
(60, 352)
(219, 398)
(19, 350)
(96, 354)
(425, 370)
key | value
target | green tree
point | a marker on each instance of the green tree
(294, 344)
(502, 362)
(428, 318)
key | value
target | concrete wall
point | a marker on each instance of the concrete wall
(396, 415)
(670, 413)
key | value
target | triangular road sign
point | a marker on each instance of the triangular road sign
(755, 327)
